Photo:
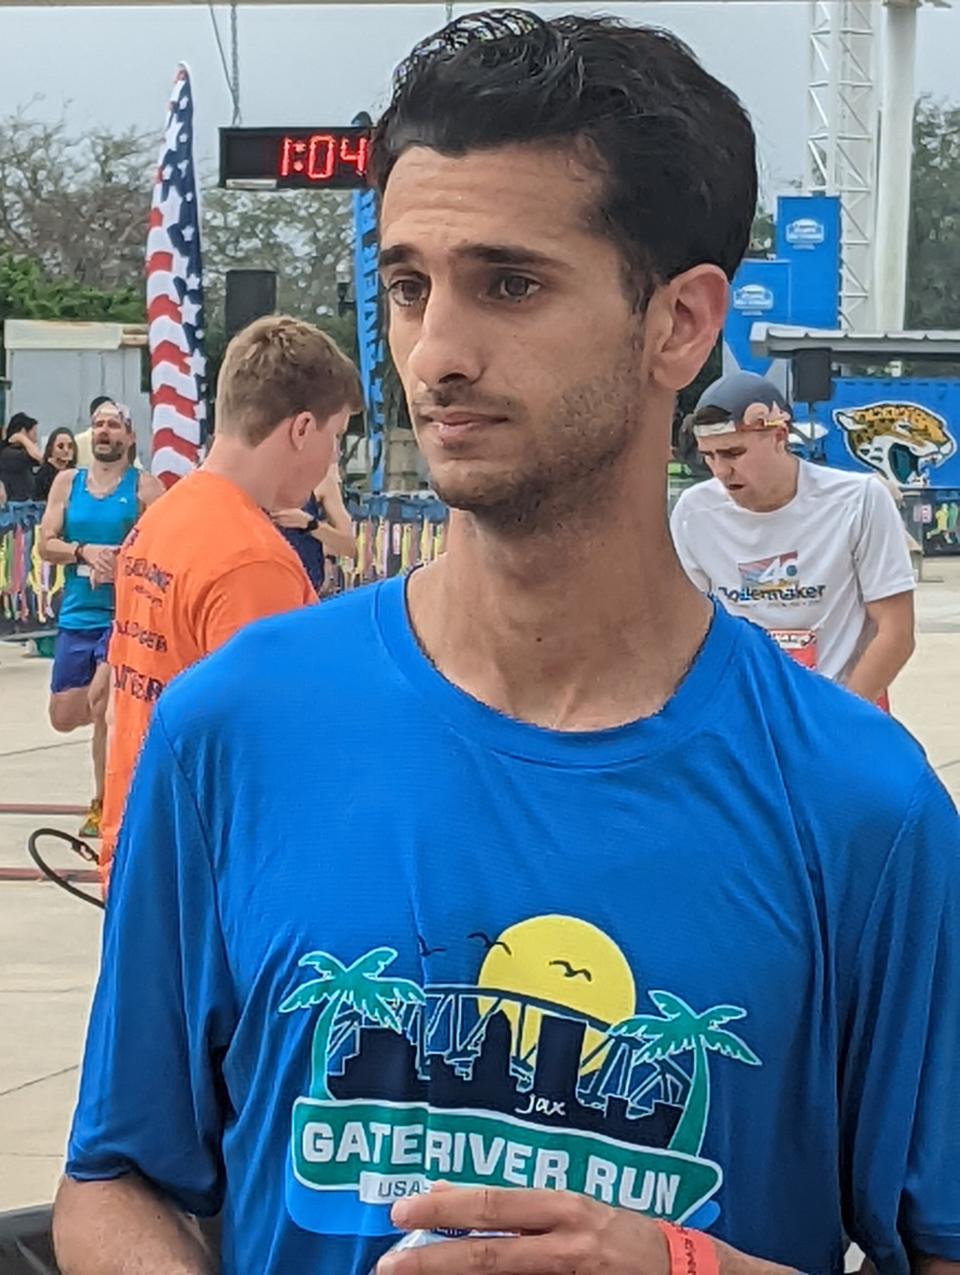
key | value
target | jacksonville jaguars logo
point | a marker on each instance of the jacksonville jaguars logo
(901, 441)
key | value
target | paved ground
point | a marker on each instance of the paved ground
(49, 942)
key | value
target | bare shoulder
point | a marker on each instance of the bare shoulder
(60, 487)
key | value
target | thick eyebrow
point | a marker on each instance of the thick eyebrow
(488, 254)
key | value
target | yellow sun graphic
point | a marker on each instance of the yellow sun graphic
(565, 961)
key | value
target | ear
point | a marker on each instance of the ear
(683, 321)
(299, 427)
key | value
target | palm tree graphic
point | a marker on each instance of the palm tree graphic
(358, 986)
(681, 1029)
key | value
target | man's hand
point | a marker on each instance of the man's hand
(102, 561)
(888, 650)
(295, 519)
(549, 1232)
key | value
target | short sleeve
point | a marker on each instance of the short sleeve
(250, 592)
(881, 555)
(163, 1012)
(899, 1091)
(680, 530)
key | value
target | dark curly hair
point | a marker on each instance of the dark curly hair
(676, 146)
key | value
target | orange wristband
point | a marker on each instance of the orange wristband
(691, 1252)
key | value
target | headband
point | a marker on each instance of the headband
(758, 416)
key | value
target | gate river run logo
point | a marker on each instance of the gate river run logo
(542, 1074)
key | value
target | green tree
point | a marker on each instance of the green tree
(26, 294)
(73, 226)
(933, 269)
(762, 233)
(680, 1030)
(358, 986)
(75, 205)
(304, 236)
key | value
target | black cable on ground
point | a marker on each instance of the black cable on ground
(79, 847)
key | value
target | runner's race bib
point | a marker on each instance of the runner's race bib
(799, 644)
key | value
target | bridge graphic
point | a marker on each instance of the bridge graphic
(513, 1053)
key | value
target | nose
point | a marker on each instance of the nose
(446, 346)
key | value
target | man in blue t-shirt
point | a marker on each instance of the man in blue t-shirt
(567, 886)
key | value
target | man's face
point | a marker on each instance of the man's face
(510, 327)
(110, 437)
(745, 462)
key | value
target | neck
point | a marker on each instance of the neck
(105, 472)
(244, 467)
(589, 625)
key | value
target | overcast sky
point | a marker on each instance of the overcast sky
(320, 64)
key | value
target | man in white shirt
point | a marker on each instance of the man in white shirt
(816, 556)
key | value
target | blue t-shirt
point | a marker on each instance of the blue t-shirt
(308, 548)
(365, 931)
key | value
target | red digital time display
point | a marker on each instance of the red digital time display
(321, 156)
(294, 158)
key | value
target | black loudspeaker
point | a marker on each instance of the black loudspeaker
(250, 295)
(812, 376)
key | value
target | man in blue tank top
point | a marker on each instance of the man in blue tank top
(86, 520)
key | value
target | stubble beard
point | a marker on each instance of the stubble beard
(568, 469)
(116, 452)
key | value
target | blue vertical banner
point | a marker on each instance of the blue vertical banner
(366, 285)
(760, 293)
(808, 238)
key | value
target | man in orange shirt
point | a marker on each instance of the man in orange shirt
(208, 559)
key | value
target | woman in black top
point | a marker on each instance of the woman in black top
(20, 457)
(60, 453)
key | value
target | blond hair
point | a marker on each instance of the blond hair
(277, 367)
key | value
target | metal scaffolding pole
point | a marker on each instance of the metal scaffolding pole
(895, 164)
(842, 139)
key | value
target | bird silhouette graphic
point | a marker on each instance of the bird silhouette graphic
(570, 972)
(489, 942)
(426, 951)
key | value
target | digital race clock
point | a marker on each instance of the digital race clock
(294, 158)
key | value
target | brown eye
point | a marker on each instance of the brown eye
(516, 287)
(407, 292)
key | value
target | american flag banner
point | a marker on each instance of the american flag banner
(175, 297)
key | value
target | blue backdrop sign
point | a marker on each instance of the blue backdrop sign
(800, 286)
(760, 293)
(905, 429)
(808, 238)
